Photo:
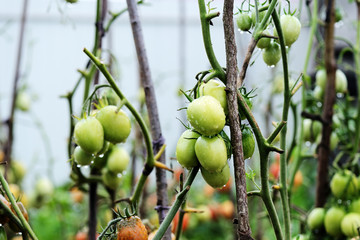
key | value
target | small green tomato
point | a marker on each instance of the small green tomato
(118, 160)
(81, 157)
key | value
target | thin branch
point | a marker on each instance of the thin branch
(242, 213)
(9, 143)
(322, 186)
(161, 183)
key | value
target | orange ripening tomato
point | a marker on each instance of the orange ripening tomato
(298, 179)
(227, 209)
(275, 170)
(131, 228)
(185, 222)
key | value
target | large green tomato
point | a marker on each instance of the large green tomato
(272, 54)
(344, 185)
(316, 218)
(89, 135)
(244, 22)
(118, 160)
(81, 157)
(216, 179)
(206, 115)
(185, 149)
(261, 16)
(115, 122)
(350, 225)
(211, 153)
(248, 142)
(291, 28)
(216, 89)
(332, 221)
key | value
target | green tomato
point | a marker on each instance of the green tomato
(248, 142)
(244, 22)
(316, 218)
(118, 160)
(110, 179)
(206, 115)
(350, 224)
(185, 149)
(81, 157)
(211, 153)
(18, 170)
(216, 179)
(249, 103)
(261, 16)
(334, 141)
(340, 80)
(318, 93)
(115, 122)
(355, 206)
(2, 233)
(89, 135)
(312, 129)
(272, 54)
(300, 237)
(111, 97)
(332, 221)
(291, 28)
(44, 187)
(264, 42)
(23, 101)
(216, 89)
(344, 184)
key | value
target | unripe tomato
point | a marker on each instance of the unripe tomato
(334, 141)
(355, 206)
(272, 54)
(18, 171)
(244, 22)
(344, 184)
(291, 28)
(115, 122)
(248, 142)
(185, 149)
(316, 218)
(261, 16)
(318, 93)
(44, 187)
(216, 89)
(111, 97)
(104, 148)
(89, 135)
(312, 129)
(211, 153)
(332, 221)
(118, 160)
(205, 215)
(340, 80)
(216, 179)
(206, 115)
(249, 103)
(300, 237)
(81, 157)
(264, 42)
(350, 224)
(111, 179)
(23, 101)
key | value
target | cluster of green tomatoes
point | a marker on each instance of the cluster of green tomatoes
(203, 144)
(271, 54)
(96, 136)
(342, 215)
